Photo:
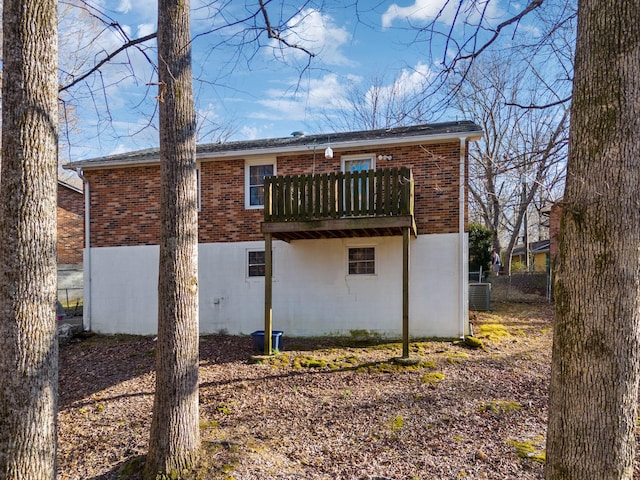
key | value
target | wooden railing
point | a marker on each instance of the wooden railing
(368, 193)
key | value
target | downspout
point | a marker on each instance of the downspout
(463, 287)
(86, 301)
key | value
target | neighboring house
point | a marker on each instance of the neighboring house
(368, 229)
(554, 228)
(70, 222)
(538, 255)
(70, 240)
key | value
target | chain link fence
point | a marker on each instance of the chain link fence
(71, 300)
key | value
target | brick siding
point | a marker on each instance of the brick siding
(70, 225)
(125, 201)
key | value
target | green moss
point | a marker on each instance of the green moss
(204, 424)
(527, 450)
(419, 348)
(494, 331)
(473, 342)
(306, 361)
(457, 357)
(396, 423)
(432, 378)
(500, 406)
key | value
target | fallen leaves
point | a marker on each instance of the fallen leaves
(326, 410)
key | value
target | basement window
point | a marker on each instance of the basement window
(256, 263)
(362, 261)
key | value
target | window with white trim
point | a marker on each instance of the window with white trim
(362, 261)
(256, 263)
(359, 163)
(255, 173)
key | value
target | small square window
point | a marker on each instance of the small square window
(362, 261)
(256, 264)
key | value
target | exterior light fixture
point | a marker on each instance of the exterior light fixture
(328, 153)
(385, 157)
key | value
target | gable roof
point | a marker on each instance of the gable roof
(299, 143)
(70, 180)
(541, 246)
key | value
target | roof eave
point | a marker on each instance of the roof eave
(337, 146)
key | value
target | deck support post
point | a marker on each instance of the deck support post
(268, 294)
(405, 292)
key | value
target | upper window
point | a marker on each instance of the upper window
(358, 164)
(362, 261)
(255, 172)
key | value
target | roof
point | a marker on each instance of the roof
(299, 143)
(70, 180)
(534, 247)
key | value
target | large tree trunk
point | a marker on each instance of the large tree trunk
(175, 440)
(594, 377)
(28, 282)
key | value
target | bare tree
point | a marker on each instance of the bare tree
(29, 350)
(595, 367)
(175, 438)
(594, 375)
(382, 103)
(523, 151)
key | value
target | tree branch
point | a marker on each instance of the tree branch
(272, 33)
(540, 107)
(109, 57)
(496, 33)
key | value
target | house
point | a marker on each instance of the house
(70, 221)
(538, 255)
(554, 227)
(70, 217)
(368, 231)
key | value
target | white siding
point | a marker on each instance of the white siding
(312, 292)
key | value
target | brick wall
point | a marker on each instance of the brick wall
(554, 230)
(70, 225)
(125, 201)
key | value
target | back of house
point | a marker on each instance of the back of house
(354, 220)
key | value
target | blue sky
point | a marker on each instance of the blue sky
(253, 91)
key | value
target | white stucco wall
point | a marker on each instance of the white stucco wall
(312, 293)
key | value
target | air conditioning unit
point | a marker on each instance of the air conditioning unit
(479, 296)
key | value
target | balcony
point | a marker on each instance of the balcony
(337, 205)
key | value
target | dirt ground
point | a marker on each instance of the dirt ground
(331, 408)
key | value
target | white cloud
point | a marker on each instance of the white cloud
(120, 148)
(317, 33)
(145, 29)
(249, 132)
(124, 6)
(444, 10)
(408, 83)
(301, 105)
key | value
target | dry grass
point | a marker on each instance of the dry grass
(325, 408)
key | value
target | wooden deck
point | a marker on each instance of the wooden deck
(337, 205)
